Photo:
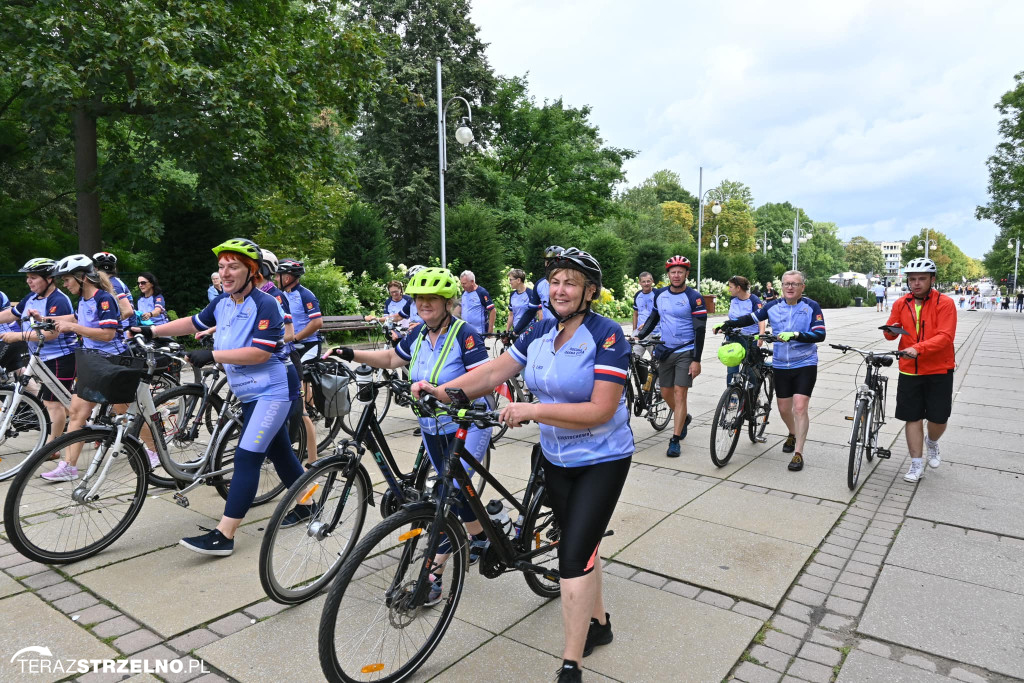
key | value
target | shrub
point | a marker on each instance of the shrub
(333, 287)
(715, 266)
(827, 294)
(612, 254)
(471, 232)
(183, 261)
(763, 271)
(742, 264)
(650, 256)
(858, 290)
(361, 242)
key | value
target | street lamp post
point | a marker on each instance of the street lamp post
(796, 236)
(1014, 244)
(463, 134)
(764, 244)
(927, 242)
(716, 209)
(723, 238)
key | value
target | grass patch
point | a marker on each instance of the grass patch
(844, 651)
(747, 657)
(763, 632)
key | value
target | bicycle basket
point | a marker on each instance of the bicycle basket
(330, 393)
(108, 379)
(13, 356)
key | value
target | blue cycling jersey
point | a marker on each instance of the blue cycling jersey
(401, 308)
(476, 306)
(543, 289)
(148, 303)
(525, 304)
(55, 304)
(414, 315)
(5, 303)
(677, 311)
(739, 308)
(806, 317)
(451, 356)
(257, 322)
(305, 307)
(643, 304)
(100, 312)
(597, 351)
(122, 292)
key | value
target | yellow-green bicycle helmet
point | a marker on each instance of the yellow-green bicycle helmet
(240, 245)
(437, 281)
(732, 354)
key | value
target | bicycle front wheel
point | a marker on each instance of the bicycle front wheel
(374, 626)
(504, 394)
(858, 443)
(658, 411)
(28, 427)
(725, 430)
(383, 402)
(186, 438)
(762, 408)
(57, 522)
(540, 533)
(270, 483)
(298, 561)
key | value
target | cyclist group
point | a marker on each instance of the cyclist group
(573, 360)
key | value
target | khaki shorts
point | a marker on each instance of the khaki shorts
(674, 371)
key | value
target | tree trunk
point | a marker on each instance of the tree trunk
(88, 200)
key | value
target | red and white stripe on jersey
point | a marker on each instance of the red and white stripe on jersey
(609, 370)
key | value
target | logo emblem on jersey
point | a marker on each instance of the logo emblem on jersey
(309, 305)
(278, 299)
(53, 309)
(699, 302)
(105, 305)
(610, 340)
(263, 324)
(818, 317)
(470, 343)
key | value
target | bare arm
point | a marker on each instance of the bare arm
(490, 320)
(309, 330)
(382, 358)
(176, 328)
(478, 381)
(604, 400)
(125, 307)
(246, 356)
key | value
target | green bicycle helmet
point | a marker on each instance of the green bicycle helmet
(240, 245)
(732, 354)
(437, 281)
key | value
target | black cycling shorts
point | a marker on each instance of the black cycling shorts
(796, 381)
(924, 397)
(63, 369)
(583, 499)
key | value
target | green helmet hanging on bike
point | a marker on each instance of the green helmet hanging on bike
(732, 354)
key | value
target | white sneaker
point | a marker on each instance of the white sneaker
(63, 472)
(154, 459)
(933, 453)
(915, 473)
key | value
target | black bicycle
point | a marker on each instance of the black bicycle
(868, 411)
(643, 389)
(748, 398)
(380, 621)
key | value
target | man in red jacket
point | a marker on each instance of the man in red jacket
(925, 389)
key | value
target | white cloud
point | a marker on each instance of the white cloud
(876, 115)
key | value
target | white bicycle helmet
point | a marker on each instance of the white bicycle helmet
(75, 265)
(921, 265)
(269, 263)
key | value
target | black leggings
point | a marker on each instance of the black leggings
(583, 500)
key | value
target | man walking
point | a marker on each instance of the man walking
(477, 309)
(879, 290)
(1020, 299)
(925, 389)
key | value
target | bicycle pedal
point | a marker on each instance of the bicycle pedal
(761, 439)
(181, 500)
(883, 453)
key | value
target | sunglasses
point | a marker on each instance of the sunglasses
(143, 282)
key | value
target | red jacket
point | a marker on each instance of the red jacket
(934, 343)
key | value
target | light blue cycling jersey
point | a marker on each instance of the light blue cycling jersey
(100, 312)
(806, 317)
(739, 308)
(476, 307)
(414, 315)
(5, 303)
(122, 292)
(676, 311)
(597, 351)
(523, 305)
(305, 307)
(401, 308)
(148, 303)
(643, 304)
(256, 323)
(543, 289)
(55, 304)
(456, 352)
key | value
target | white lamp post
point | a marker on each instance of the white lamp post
(763, 243)
(927, 242)
(464, 136)
(1014, 244)
(716, 209)
(796, 237)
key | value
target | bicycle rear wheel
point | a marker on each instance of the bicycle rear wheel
(540, 530)
(658, 412)
(181, 418)
(508, 392)
(297, 562)
(270, 483)
(762, 408)
(27, 431)
(373, 626)
(383, 401)
(858, 443)
(725, 430)
(46, 523)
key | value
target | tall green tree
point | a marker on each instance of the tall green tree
(736, 222)
(864, 256)
(361, 243)
(728, 190)
(823, 255)
(774, 219)
(218, 90)
(952, 263)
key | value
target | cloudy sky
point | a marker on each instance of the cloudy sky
(876, 115)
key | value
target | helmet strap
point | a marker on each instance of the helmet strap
(581, 310)
(441, 325)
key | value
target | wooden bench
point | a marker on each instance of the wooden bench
(346, 323)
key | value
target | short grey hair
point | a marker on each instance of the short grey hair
(469, 274)
(643, 275)
(803, 278)
(214, 274)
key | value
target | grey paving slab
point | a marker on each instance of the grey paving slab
(823, 476)
(953, 619)
(192, 588)
(507, 660)
(30, 622)
(962, 557)
(694, 455)
(936, 502)
(660, 491)
(786, 519)
(861, 666)
(9, 586)
(641, 616)
(629, 522)
(732, 561)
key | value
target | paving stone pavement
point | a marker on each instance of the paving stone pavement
(747, 573)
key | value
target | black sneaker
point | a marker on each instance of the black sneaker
(211, 543)
(598, 634)
(790, 444)
(299, 514)
(686, 423)
(569, 673)
(417, 432)
(797, 463)
(477, 547)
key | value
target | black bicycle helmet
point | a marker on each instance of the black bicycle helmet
(105, 261)
(577, 259)
(552, 251)
(39, 266)
(291, 267)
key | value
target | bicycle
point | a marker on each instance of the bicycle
(643, 389)
(297, 562)
(869, 411)
(376, 622)
(748, 398)
(512, 390)
(43, 519)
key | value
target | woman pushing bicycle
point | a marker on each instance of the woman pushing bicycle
(575, 362)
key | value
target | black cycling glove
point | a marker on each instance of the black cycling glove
(200, 357)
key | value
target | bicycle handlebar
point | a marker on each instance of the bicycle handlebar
(872, 356)
(482, 418)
